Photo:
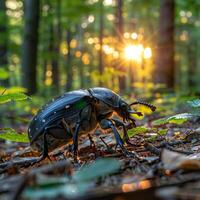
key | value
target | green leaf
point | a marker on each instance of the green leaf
(152, 138)
(162, 131)
(160, 121)
(3, 74)
(11, 135)
(138, 130)
(12, 97)
(16, 89)
(54, 192)
(97, 169)
(79, 183)
(178, 121)
(175, 119)
(194, 103)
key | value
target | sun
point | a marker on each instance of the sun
(133, 52)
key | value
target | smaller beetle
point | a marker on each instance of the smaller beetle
(79, 112)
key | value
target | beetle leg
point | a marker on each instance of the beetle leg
(75, 139)
(45, 150)
(82, 116)
(45, 147)
(66, 127)
(125, 134)
(105, 124)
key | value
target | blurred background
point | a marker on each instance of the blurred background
(134, 47)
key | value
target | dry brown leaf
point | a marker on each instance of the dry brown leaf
(173, 160)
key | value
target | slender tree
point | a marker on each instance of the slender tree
(56, 37)
(119, 29)
(164, 72)
(192, 63)
(30, 43)
(101, 27)
(69, 70)
(3, 40)
(80, 33)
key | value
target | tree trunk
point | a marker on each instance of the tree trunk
(3, 41)
(69, 63)
(119, 28)
(55, 49)
(164, 73)
(101, 27)
(192, 64)
(30, 43)
(80, 34)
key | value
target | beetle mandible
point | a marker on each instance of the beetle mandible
(79, 112)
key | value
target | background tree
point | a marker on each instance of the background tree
(30, 43)
(164, 72)
(120, 32)
(101, 28)
(57, 36)
(3, 41)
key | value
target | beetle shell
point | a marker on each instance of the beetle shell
(54, 111)
(60, 116)
(107, 96)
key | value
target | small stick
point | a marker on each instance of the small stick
(3, 91)
(152, 149)
(92, 144)
(108, 148)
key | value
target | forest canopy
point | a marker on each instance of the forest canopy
(52, 46)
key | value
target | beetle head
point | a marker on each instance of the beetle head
(135, 110)
(124, 110)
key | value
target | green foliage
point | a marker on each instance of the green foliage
(158, 133)
(4, 98)
(142, 130)
(8, 95)
(15, 89)
(3, 74)
(152, 138)
(194, 103)
(138, 130)
(11, 135)
(175, 119)
(162, 131)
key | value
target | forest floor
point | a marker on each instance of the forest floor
(164, 167)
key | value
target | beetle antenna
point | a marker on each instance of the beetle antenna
(152, 107)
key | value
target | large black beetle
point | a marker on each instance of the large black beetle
(79, 112)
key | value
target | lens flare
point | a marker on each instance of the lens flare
(147, 53)
(134, 52)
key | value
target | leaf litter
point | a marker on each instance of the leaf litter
(167, 157)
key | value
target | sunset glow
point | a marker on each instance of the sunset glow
(133, 52)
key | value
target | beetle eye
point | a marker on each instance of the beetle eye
(123, 105)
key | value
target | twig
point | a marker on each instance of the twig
(152, 148)
(92, 144)
(178, 150)
(3, 91)
(172, 143)
(16, 163)
(108, 148)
